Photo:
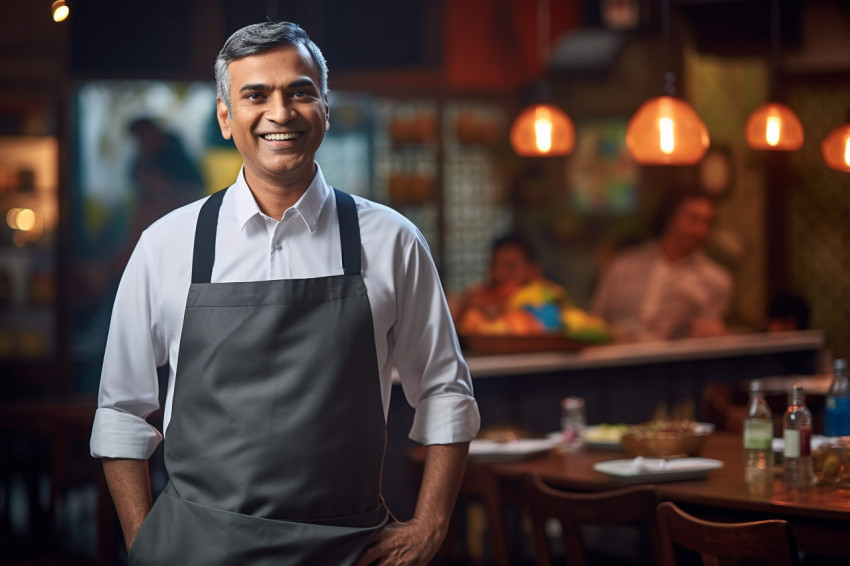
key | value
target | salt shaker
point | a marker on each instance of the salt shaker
(573, 421)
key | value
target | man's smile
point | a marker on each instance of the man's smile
(281, 137)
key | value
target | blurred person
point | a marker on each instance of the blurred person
(513, 266)
(787, 312)
(164, 175)
(667, 288)
(280, 307)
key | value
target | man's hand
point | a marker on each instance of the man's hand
(403, 544)
(415, 542)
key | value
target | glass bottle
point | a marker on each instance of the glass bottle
(837, 413)
(758, 442)
(797, 433)
(573, 422)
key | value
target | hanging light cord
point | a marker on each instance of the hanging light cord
(543, 33)
(669, 75)
(774, 49)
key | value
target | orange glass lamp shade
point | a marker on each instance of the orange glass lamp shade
(774, 126)
(542, 130)
(60, 11)
(836, 148)
(666, 131)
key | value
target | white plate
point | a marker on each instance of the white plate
(652, 470)
(510, 451)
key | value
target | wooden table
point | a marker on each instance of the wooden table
(820, 517)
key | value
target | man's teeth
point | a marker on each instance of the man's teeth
(281, 137)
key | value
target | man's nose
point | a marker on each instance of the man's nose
(279, 109)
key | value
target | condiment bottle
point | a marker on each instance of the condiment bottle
(573, 422)
(758, 442)
(797, 433)
(837, 413)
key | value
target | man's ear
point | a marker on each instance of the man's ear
(223, 115)
(327, 115)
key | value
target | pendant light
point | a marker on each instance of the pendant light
(836, 148)
(774, 126)
(59, 10)
(542, 129)
(666, 130)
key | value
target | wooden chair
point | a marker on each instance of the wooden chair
(629, 506)
(720, 544)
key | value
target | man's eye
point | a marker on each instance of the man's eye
(300, 94)
(254, 96)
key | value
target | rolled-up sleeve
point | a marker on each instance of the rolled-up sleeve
(433, 373)
(129, 390)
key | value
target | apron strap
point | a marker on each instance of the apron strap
(205, 231)
(349, 232)
(203, 256)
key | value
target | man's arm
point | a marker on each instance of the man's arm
(417, 541)
(130, 486)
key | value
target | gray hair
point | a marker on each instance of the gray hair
(258, 38)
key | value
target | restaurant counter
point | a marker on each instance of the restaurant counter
(668, 351)
(626, 383)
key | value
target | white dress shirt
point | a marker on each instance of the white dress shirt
(643, 297)
(413, 328)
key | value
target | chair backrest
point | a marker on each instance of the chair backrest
(480, 482)
(769, 542)
(630, 506)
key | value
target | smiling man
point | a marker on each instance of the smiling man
(288, 304)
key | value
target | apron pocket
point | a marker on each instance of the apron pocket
(189, 534)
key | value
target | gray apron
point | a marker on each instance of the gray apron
(276, 443)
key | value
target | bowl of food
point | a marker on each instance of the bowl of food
(832, 459)
(666, 438)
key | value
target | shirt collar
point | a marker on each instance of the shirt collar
(309, 206)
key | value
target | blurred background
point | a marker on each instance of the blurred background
(423, 94)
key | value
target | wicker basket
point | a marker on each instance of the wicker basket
(662, 444)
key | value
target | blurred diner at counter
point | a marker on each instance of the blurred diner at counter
(513, 266)
(517, 299)
(667, 288)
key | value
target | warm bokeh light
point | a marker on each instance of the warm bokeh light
(60, 11)
(668, 139)
(542, 130)
(27, 224)
(773, 130)
(666, 131)
(12, 218)
(543, 133)
(25, 220)
(774, 126)
(836, 148)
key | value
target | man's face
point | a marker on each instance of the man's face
(510, 266)
(279, 115)
(690, 226)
